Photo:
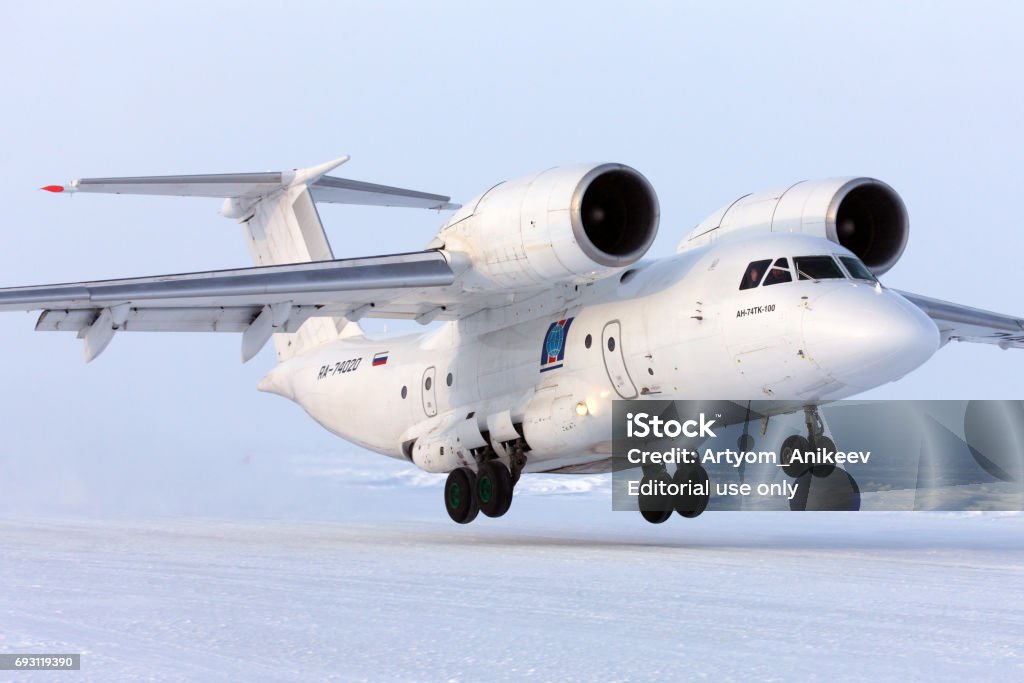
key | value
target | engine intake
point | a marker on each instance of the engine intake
(871, 221)
(617, 217)
(862, 214)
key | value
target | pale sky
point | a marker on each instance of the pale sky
(708, 100)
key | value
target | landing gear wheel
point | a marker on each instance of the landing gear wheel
(838, 491)
(793, 443)
(494, 488)
(830, 447)
(458, 495)
(656, 508)
(690, 477)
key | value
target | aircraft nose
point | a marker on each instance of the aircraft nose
(865, 337)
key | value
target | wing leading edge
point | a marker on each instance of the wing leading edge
(964, 323)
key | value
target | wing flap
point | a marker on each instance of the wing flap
(220, 319)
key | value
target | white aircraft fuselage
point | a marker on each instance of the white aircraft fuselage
(672, 328)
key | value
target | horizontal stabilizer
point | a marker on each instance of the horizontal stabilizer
(323, 188)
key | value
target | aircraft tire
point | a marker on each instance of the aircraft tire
(691, 505)
(656, 508)
(794, 443)
(493, 490)
(829, 445)
(459, 497)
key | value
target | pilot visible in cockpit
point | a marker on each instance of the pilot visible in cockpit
(753, 277)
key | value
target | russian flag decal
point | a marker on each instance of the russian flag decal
(380, 358)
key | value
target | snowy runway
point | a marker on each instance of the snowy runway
(560, 588)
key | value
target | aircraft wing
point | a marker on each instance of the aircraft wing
(255, 301)
(963, 323)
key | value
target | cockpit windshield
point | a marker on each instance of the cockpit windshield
(755, 271)
(817, 268)
(766, 272)
(856, 269)
(779, 273)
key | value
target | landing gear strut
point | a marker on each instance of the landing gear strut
(815, 439)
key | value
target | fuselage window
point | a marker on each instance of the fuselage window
(856, 269)
(817, 268)
(755, 271)
(778, 273)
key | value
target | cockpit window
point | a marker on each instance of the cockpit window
(778, 273)
(755, 271)
(817, 268)
(857, 270)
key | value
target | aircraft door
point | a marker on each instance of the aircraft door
(429, 388)
(615, 362)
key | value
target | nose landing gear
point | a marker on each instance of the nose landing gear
(814, 440)
(818, 487)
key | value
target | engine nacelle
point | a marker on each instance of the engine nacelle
(565, 224)
(862, 214)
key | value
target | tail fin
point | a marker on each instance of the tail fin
(279, 216)
(283, 226)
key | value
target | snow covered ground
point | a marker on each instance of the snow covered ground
(347, 568)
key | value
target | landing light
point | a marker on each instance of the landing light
(581, 409)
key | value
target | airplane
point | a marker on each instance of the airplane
(548, 310)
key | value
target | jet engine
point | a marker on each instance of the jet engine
(565, 224)
(862, 214)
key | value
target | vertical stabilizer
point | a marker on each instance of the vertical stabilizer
(283, 226)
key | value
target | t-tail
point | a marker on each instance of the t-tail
(277, 211)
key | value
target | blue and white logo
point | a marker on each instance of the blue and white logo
(553, 352)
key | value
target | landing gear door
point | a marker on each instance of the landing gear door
(615, 362)
(429, 387)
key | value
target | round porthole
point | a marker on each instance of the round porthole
(428, 384)
(405, 391)
(611, 343)
(588, 341)
(449, 379)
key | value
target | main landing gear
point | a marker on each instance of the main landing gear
(692, 483)
(488, 490)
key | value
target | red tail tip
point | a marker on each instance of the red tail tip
(53, 188)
